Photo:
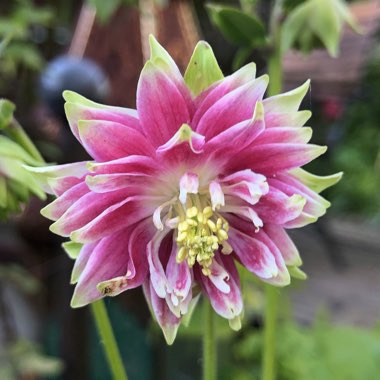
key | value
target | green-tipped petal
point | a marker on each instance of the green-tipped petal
(203, 69)
(315, 182)
(72, 249)
(288, 101)
(296, 272)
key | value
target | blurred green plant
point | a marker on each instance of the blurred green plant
(25, 360)
(16, 150)
(105, 9)
(316, 24)
(16, 46)
(305, 25)
(358, 153)
(323, 351)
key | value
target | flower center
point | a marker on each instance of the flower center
(200, 233)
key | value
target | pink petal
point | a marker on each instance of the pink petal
(239, 136)
(115, 218)
(79, 213)
(179, 279)
(216, 194)
(286, 119)
(209, 97)
(157, 273)
(258, 253)
(108, 140)
(231, 109)
(58, 207)
(283, 242)
(168, 322)
(59, 185)
(104, 183)
(315, 204)
(278, 208)
(229, 305)
(284, 135)
(108, 260)
(252, 253)
(269, 159)
(188, 184)
(245, 184)
(81, 261)
(138, 165)
(76, 111)
(184, 135)
(137, 270)
(161, 107)
(44, 174)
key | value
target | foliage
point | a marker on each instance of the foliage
(316, 23)
(105, 9)
(323, 351)
(16, 47)
(358, 154)
(16, 150)
(303, 24)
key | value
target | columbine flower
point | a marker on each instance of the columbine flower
(203, 175)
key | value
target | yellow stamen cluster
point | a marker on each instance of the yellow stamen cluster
(199, 235)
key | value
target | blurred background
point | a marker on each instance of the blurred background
(330, 324)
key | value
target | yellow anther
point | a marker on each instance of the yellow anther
(207, 212)
(181, 255)
(191, 261)
(183, 226)
(191, 222)
(200, 217)
(181, 237)
(191, 212)
(222, 235)
(200, 235)
(212, 225)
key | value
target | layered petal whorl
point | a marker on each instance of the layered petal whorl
(195, 180)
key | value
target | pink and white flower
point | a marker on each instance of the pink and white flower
(204, 175)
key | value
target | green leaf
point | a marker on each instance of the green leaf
(7, 109)
(203, 69)
(238, 27)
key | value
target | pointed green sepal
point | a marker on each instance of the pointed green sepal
(72, 249)
(297, 273)
(203, 69)
(315, 182)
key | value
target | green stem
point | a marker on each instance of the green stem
(107, 337)
(270, 325)
(17, 133)
(209, 343)
(275, 72)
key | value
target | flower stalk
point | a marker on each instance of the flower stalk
(107, 337)
(209, 344)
